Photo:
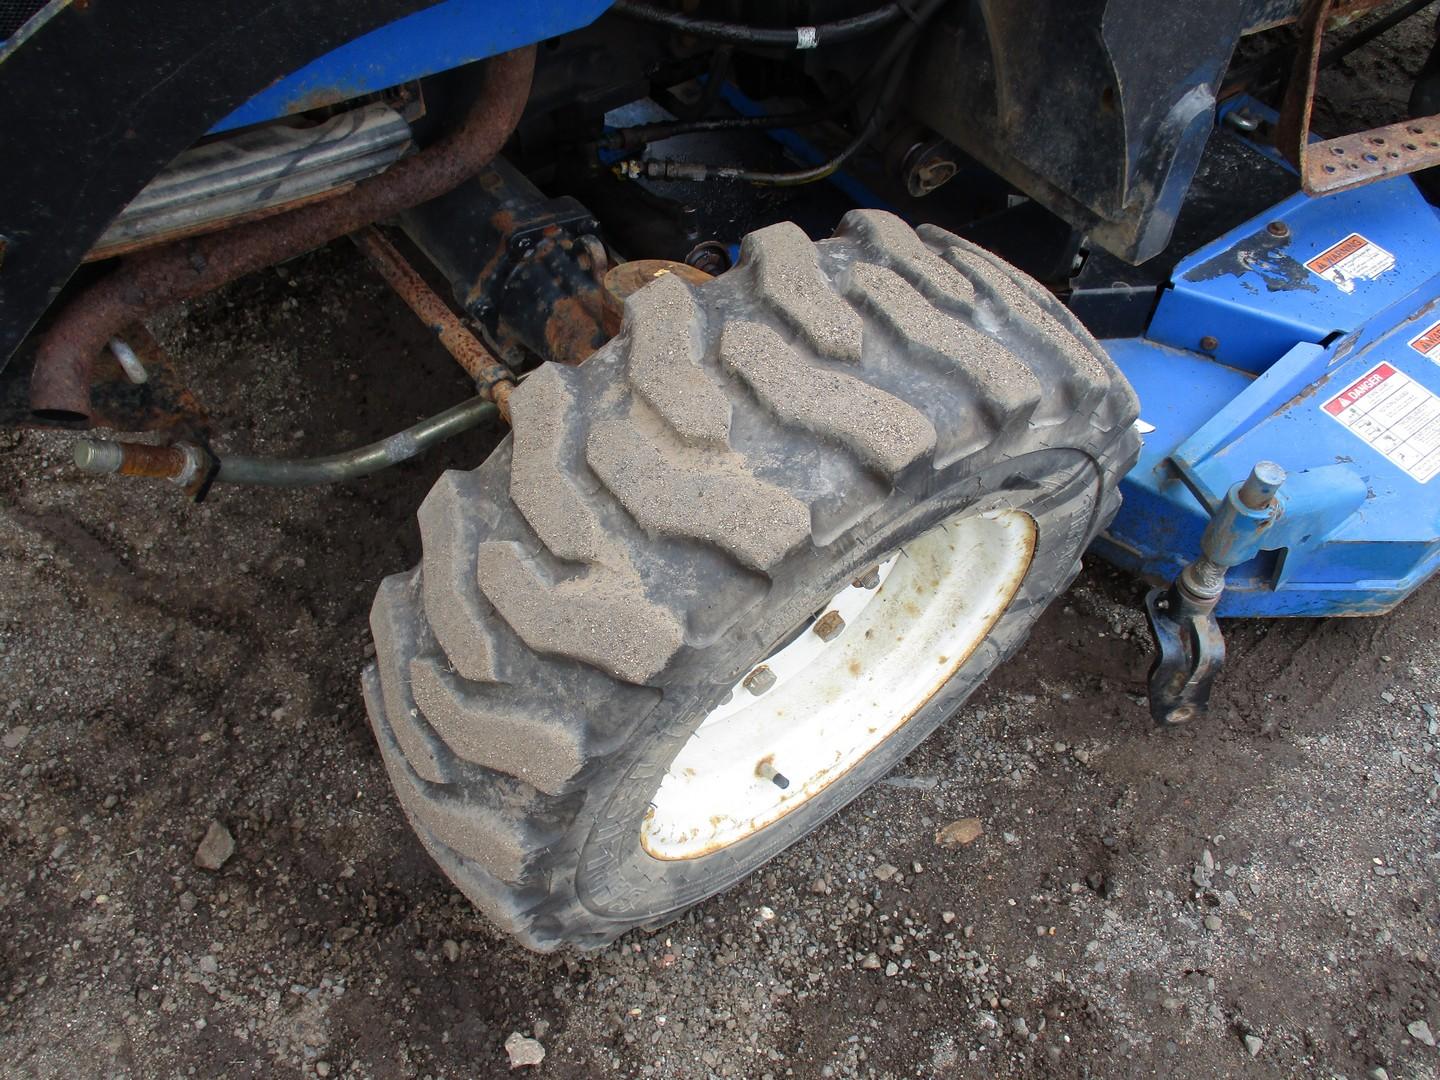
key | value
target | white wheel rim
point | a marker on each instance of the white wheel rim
(833, 702)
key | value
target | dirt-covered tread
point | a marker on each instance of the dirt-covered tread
(711, 497)
(540, 484)
(602, 619)
(453, 606)
(1003, 386)
(879, 428)
(392, 625)
(524, 735)
(664, 362)
(654, 499)
(788, 276)
(892, 243)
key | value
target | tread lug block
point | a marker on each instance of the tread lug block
(894, 244)
(397, 629)
(787, 273)
(542, 481)
(662, 324)
(1004, 390)
(884, 432)
(458, 616)
(603, 618)
(707, 497)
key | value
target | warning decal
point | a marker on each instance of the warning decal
(1428, 343)
(1395, 415)
(1352, 259)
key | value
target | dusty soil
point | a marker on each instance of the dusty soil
(1139, 903)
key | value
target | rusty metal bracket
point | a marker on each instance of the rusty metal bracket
(162, 402)
(1348, 161)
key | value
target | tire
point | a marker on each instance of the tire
(666, 514)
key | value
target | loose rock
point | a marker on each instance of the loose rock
(523, 1050)
(1420, 1032)
(216, 848)
(959, 833)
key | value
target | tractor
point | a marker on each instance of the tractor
(830, 334)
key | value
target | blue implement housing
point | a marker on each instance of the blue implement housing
(1308, 336)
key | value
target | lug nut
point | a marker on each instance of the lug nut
(870, 579)
(766, 771)
(759, 680)
(828, 626)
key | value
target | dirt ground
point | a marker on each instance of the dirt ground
(1254, 896)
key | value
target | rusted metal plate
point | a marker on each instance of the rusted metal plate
(1351, 160)
(1347, 161)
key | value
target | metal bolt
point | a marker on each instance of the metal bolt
(870, 579)
(759, 680)
(1260, 486)
(1278, 229)
(1242, 120)
(766, 771)
(1209, 343)
(828, 626)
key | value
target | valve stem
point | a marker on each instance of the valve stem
(767, 771)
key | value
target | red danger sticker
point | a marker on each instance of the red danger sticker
(1394, 414)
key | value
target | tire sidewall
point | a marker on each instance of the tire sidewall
(616, 879)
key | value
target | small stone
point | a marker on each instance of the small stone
(1378, 1073)
(960, 833)
(15, 737)
(767, 914)
(540, 1028)
(947, 917)
(885, 871)
(209, 965)
(216, 848)
(1420, 1032)
(1082, 756)
(450, 949)
(110, 801)
(1254, 1044)
(1021, 1027)
(1212, 922)
(1387, 697)
(871, 962)
(187, 901)
(322, 1068)
(892, 969)
(523, 1050)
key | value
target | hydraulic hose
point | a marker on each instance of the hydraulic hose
(188, 465)
(889, 62)
(794, 37)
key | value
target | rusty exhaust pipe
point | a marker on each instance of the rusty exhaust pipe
(145, 283)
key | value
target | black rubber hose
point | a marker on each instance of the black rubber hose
(793, 37)
(898, 47)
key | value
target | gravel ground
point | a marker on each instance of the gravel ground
(1255, 896)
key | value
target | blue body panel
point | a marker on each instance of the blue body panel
(1285, 341)
(447, 35)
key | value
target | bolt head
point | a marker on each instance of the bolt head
(1278, 229)
(829, 626)
(870, 579)
(759, 680)
(1209, 343)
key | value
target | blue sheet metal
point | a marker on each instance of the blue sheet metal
(447, 35)
(1248, 344)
